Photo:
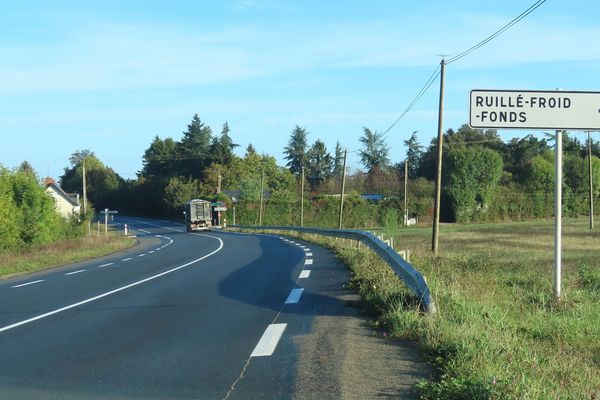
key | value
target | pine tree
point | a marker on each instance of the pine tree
(295, 151)
(320, 164)
(250, 150)
(414, 152)
(222, 147)
(375, 151)
(194, 148)
(338, 160)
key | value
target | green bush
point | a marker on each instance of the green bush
(28, 213)
(10, 214)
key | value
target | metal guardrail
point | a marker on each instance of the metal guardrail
(405, 271)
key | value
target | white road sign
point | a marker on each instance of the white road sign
(539, 109)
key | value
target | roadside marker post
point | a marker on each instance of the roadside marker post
(538, 110)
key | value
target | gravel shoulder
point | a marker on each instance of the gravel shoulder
(342, 357)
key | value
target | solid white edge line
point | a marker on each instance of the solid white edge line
(294, 296)
(29, 283)
(75, 272)
(304, 274)
(308, 262)
(269, 340)
(59, 310)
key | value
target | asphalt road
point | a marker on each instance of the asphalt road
(180, 316)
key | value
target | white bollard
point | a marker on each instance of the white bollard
(125, 229)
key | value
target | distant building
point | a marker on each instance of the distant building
(234, 195)
(372, 196)
(66, 204)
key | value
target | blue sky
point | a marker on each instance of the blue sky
(111, 75)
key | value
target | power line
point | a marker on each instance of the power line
(497, 33)
(436, 73)
(418, 96)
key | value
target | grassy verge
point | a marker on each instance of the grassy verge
(59, 253)
(499, 334)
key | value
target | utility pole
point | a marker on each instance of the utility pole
(106, 222)
(558, 216)
(406, 192)
(260, 210)
(438, 176)
(219, 183)
(302, 199)
(591, 180)
(343, 188)
(84, 189)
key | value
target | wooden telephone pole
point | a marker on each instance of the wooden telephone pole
(302, 199)
(438, 177)
(84, 189)
(342, 191)
(260, 210)
(406, 192)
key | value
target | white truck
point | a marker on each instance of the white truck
(198, 215)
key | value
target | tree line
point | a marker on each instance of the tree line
(484, 178)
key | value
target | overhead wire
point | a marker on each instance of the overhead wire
(414, 101)
(437, 71)
(497, 33)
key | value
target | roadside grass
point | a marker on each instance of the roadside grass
(38, 258)
(499, 332)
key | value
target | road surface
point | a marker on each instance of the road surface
(213, 315)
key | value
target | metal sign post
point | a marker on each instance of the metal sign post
(106, 212)
(558, 215)
(539, 109)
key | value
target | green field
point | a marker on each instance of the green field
(499, 332)
(37, 258)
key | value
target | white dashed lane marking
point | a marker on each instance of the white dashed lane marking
(294, 296)
(269, 340)
(29, 283)
(305, 274)
(75, 272)
(105, 265)
(308, 261)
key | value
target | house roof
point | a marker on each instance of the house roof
(70, 198)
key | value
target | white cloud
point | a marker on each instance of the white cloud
(116, 57)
